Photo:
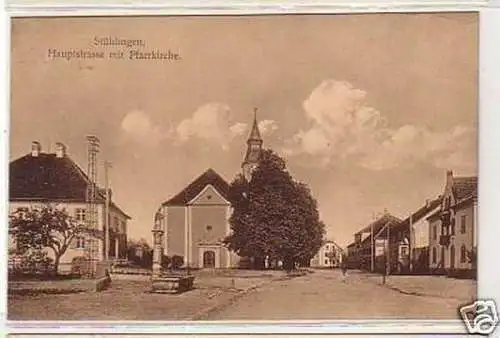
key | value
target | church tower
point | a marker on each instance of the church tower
(254, 146)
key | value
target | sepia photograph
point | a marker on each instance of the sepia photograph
(249, 168)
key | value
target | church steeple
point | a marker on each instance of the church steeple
(254, 146)
(254, 133)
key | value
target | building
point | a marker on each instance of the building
(408, 240)
(367, 250)
(329, 255)
(196, 220)
(39, 178)
(254, 146)
(453, 228)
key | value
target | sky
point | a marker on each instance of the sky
(369, 110)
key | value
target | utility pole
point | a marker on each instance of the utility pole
(389, 249)
(410, 244)
(107, 166)
(372, 248)
(91, 217)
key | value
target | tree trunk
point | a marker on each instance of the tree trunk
(57, 260)
(288, 264)
(259, 263)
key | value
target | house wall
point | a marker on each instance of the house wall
(202, 217)
(434, 247)
(175, 222)
(420, 234)
(464, 239)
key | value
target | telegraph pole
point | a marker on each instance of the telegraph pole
(91, 218)
(410, 244)
(372, 245)
(107, 166)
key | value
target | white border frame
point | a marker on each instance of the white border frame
(489, 164)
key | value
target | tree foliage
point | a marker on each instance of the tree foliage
(140, 253)
(47, 227)
(274, 215)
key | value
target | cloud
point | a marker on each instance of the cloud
(267, 127)
(343, 127)
(210, 123)
(137, 125)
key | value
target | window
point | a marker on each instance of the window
(209, 197)
(22, 211)
(116, 224)
(209, 227)
(434, 255)
(326, 261)
(463, 224)
(434, 232)
(463, 254)
(442, 256)
(124, 227)
(327, 247)
(80, 242)
(452, 226)
(80, 214)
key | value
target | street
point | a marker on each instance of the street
(323, 295)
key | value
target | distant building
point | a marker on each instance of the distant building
(329, 255)
(453, 228)
(39, 178)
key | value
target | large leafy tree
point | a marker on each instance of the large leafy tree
(47, 227)
(274, 215)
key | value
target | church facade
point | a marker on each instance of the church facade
(196, 220)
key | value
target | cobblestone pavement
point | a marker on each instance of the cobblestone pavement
(323, 295)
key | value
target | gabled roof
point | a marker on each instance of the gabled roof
(48, 178)
(195, 187)
(378, 225)
(420, 213)
(464, 187)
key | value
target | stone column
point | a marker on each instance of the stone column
(157, 244)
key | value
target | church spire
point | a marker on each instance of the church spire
(255, 133)
(254, 146)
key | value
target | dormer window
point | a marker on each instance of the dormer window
(209, 228)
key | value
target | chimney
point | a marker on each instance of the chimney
(60, 150)
(36, 148)
(427, 203)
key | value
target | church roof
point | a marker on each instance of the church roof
(211, 177)
(48, 178)
(255, 133)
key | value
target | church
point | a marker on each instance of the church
(196, 220)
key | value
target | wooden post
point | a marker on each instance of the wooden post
(107, 165)
(389, 248)
(372, 249)
(410, 244)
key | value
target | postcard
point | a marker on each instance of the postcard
(244, 168)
